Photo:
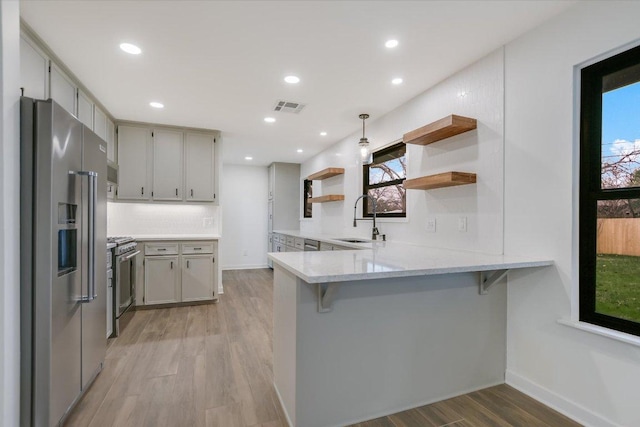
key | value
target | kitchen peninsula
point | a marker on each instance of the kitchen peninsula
(367, 332)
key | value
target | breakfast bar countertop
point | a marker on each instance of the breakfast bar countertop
(377, 260)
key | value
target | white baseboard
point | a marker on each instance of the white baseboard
(553, 400)
(244, 267)
(284, 410)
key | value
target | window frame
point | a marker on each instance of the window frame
(366, 187)
(306, 195)
(591, 191)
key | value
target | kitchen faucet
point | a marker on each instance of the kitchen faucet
(374, 232)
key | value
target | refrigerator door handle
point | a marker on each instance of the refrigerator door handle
(92, 178)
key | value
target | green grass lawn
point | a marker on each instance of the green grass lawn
(618, 286)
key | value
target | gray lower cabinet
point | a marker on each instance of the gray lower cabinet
(161, 285)
(176, 272)
(197, 277)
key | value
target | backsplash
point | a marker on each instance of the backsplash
(147, 218)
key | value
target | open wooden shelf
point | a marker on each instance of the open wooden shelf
(327, 198)
(446, 179)
(326, 173)
(439, 130)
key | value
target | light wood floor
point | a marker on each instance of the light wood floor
(211, 365)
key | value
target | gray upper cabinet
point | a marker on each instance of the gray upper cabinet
(63, 90)
(180, 164)
(284, 182)
(134, 148)
(34, 71)
(272, 179)
(100, 123)
(167, 164)
(85, 109)
(111, 140)
(200, 167)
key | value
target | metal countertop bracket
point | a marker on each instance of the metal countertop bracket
(326, 296)
(490, 278)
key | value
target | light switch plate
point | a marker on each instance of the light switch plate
(431, 225)
(462, 224)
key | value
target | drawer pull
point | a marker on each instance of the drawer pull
(172, 265)
(197, 249)
(162, 249)
(187, 263)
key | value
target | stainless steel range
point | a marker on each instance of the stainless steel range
(124, 272)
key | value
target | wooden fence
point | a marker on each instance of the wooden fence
(620, 236)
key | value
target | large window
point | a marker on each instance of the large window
(383, 180)
(610, 193)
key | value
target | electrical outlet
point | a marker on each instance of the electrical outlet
(462, 224)
(431, 225)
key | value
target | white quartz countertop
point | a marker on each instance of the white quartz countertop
(328, 239)
(377, 260)
(168, 237)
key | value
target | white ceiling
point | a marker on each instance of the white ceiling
(221, 64)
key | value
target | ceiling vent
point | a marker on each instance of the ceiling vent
(288, 107)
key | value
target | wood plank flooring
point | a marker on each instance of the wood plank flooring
(211, 366)
(499, 406)
(205, 365)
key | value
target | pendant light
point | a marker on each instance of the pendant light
(365, 153)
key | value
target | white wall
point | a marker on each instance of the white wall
(591, 377)
(245, 217)
(124, 219)
(9, 214)
(477, 92)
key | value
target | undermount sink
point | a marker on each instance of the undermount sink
(353, 240)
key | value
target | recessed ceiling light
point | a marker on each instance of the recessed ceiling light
(130, 48)
(396, 81)
(248, 158)
(292, 79)
(156, 104)
(323, 134)
(269, 119)
(299, 150)
(391, 43)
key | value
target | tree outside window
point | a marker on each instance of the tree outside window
(383, 180)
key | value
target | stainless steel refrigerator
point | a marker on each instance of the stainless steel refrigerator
(63, 261)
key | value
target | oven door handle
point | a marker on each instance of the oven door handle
(129, 256)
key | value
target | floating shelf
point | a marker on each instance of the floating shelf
(327, 198)
(326, 173)
(439, 130)
(447, 179)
